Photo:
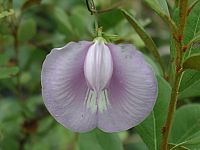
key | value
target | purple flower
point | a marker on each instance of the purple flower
(97, 84)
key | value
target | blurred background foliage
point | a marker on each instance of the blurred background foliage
(29, 29)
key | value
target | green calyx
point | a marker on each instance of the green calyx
(100, 40)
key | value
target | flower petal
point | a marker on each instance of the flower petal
(98, 66)
(64, 87)
(132, 92)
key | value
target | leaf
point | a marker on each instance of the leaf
(82, 22)
(186, 126)
(107, 20)
(191, 30)
(27, 29)
(192, 62)
(160, 6)
(63, 19)
(194, 140)
(151, 128)
(30, 3)
(144, 36)
(196, 37)
(174, 147)
(154, 65)
(6, 13)
(50, 135)
(3, 59)
(190, 84)
(99, 140)
(8, 72)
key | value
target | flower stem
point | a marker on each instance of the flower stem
(178, 74)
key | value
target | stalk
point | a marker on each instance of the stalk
(179, 72)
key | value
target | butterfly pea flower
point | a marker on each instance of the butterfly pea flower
(87, 85)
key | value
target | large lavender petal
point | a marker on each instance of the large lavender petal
(64, 88)
(132, 92)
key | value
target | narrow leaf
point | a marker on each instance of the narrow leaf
(144, 36)
(8, 72)
(160, 6)
(192, 63)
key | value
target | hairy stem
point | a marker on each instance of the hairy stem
(176, 83)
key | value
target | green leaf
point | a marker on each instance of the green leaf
(30, 3)
(194, 139)
(160, 6)
(63, 19)
(190, 84)
(144, 36)
(3, 59)
(175, 147)
(186, 126)
(82, 22)
(154, 65)
(99, 140)
(27, 29)
(107, 20)
(8, 72)
(196, 37)
(192, 62)
(50, 135)
(151, 128)
(192, 29)
(6, 13)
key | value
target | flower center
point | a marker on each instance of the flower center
(98, 66)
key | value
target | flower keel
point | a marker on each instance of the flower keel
(98, 67)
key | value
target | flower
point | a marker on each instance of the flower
(97, 84)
